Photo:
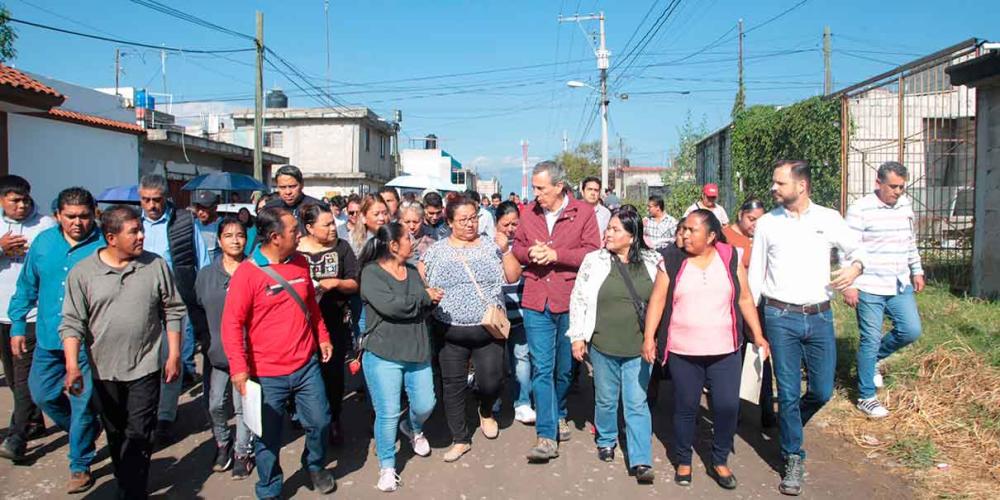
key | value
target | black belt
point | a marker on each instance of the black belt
(801, 309)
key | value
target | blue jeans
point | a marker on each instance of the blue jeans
(796, 339)
(627, 378)
(220, 396)
(386, 379)
(551, 367)
(187, 347)
(520, 366)
(874, 347)
(305, 386)
(72, 414)
(170, 393)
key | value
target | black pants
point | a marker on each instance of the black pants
(333, 370)
(722, 376)
(128, 412)
(459, 345)
(16, 372)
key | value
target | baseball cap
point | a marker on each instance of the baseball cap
(710, 189)
(205, 198)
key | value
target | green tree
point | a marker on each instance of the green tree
(582, 162)
(7, 36)
(739, 102)
(681, 179)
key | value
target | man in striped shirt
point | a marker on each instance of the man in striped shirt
(884, 221)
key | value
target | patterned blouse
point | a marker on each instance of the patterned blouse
(462, 304)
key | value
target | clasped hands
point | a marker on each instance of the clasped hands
(541, 253)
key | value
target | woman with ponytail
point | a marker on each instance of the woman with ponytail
(396, 343)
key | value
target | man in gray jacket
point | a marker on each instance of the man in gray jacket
(116, 303)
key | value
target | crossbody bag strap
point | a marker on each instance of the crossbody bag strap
(288, 288)
(472, 276)
(628, 279)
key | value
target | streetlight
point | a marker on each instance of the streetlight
(575, 84)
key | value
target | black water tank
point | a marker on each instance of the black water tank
(277, 99)
(431, 142)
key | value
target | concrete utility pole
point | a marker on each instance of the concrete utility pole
(118, 67)
(258, 112)
(326, 15)
(827, 72)
(603, 56)
(740, 38)
(524, 171)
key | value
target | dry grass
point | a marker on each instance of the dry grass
(944, 427)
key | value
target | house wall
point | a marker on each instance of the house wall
(986, 242)
(55, 155)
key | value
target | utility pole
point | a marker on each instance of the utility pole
(524, 171)
(603, 56)
(163, 68)
(326, 15)
(118, 67)
(258, 112)
(827, 72)
(741, 53)
(565, 141)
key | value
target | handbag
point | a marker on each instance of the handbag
(495, 318)
(637, 303)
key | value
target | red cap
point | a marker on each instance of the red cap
(710, 189)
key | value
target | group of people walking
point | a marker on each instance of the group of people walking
(451, 298)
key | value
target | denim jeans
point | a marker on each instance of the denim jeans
(551, 367)
(220, 396)
(519, 360)
(386, 379)
(798, 339)
(16, 371)
(187, 347)
(626, 378)
(170, 393)
(305, 387)
(721, 374)
(72, 414)
(874, 347)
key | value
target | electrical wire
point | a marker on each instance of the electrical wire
(127, 42)
(191, 18)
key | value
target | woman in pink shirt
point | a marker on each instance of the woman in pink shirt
(700, 305)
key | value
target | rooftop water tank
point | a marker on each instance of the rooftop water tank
(430, 142)
(277, 99)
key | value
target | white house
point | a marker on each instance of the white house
(57, 135)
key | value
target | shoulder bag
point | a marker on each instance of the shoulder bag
(495, 318)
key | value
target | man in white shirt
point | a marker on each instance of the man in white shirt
(709, 198)
(884, 223)
(590, 188)
(487, 224)
(790, 273)
(659, 228)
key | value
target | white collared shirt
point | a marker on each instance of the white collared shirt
(552, 216)
(886, 234)
(603, 218)
(790, 258)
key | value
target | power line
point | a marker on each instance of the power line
(191, 18)
(775, 18)
(127, 42)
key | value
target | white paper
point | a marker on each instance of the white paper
(753, 375)
(252, 408)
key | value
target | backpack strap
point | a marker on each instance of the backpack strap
(268, 270)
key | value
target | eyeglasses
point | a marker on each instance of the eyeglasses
(467, 221)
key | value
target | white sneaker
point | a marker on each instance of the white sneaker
(419, 443)
(873, 408)
(877, 379)
(388, 480)
(524, 414)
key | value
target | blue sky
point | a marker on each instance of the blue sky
(382, 53)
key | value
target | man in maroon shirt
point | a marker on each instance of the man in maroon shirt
(555, 233)
(283, 332)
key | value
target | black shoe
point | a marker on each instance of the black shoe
(644, 474)
(727, 482)
(36, 430)
(242, 467)
(323, 481)
(682, 479)
(223, 458)
(11, 450)
(606, 454)
(163, 434)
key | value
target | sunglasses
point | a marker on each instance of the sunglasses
(353, 212)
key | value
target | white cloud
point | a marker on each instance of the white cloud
(480, 162)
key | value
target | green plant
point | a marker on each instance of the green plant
(914, 452)
(7, 36)
(680, 198)
(808, 130)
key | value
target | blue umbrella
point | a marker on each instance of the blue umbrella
(224, 181)
(120, 194)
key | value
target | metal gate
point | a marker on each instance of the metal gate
(914, 115)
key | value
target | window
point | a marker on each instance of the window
(273, 140)
(368, 140)
(382, 140)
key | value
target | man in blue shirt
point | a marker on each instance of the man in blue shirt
(41, 284)
(171, 234)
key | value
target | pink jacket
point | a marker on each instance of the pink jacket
(574, 235)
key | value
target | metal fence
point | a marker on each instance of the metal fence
(714, 164)
(914, 115)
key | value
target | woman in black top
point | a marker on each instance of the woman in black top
(397, 347)
(334, 271)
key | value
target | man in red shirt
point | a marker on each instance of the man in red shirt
(556, 231)
(271, 331)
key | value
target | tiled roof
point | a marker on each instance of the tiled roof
(14, 78)
(96, 121)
